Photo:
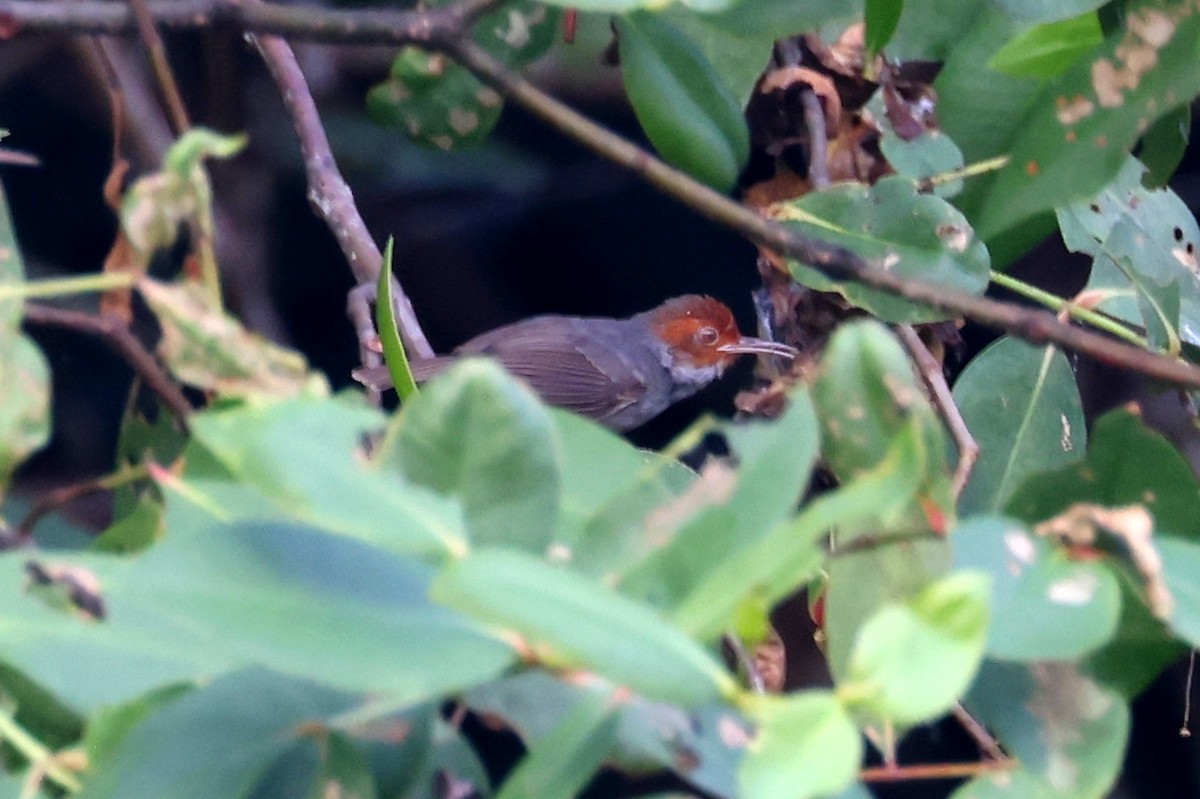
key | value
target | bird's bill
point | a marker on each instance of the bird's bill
(758, 346)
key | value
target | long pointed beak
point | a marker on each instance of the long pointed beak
(759, 346)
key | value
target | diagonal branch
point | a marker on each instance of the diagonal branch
(1035, 326)
(333, 201)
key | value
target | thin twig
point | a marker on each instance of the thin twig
(814, 120)
(983, 739)
(157, 53)
(127, 345)
(333, 201)
(745, 663)
(55, 499)
(939, 392)
(935, 771)
(1035, 326)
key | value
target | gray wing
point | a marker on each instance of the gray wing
(565, 367)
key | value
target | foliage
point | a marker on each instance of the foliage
(300, 594)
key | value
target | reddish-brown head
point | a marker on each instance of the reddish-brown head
(703, 332)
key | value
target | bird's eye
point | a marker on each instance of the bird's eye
(707, 336)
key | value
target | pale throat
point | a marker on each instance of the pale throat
(685, 373)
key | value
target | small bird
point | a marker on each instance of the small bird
(620, 372)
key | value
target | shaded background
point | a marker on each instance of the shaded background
(528, 223)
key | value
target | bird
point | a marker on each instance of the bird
(619, 372)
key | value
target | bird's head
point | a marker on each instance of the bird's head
(700, 333)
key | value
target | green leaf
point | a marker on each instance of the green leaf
(1181, 572)
(560, 764)
(215, 741)
(24, 401)
(792, 554)
(478, 434)
(264, 470)
(1045, 606)
(930, 154)
(389, 334)
(892, 227)
(1142, 242)
(1163, 145)
(570, 621)
(806, 746)
(1141, 648)
(438, 102)
(12, 270)
(929, 28)
(1082, 124)
(777, 19)
(1022, 406)
(210, 349)
(1047, 50)
(214, 597)
(650, 736)
(1040, 11)
(608, 488)
(686, 109)
(1067, 731)
(1126, 464)
(738, 58)
(727, 511)
(882, 17)
(911, 662)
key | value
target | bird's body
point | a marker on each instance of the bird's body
(620, 372)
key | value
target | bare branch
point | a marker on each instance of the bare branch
(161, 65)
(332, 199)
(121, 339)
(360, 26)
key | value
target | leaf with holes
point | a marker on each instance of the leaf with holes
(1143, 244)
(439, 103)
(892, 227)
(1081, 124)
(1045, 605)
(208, 348)
(1023, 408)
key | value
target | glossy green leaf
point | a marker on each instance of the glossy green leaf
(929, 28)
(728, 510)
(1081, 125)
(1143, 244)
(478, 434)
(1163, 146)
(267, 471)
(1022, 406)
(1067, 731)
(892, 227)
(738, 58)
(209, 349)
(1040, 11)
(559, 764)
(781, 18)
(881, 18)
(215, 741)
(213, 597)
(1045, 606)
(570, 621)
(1047, 50)
(683, 104)
(911, 662)
(1126, 464)
(806, 746)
